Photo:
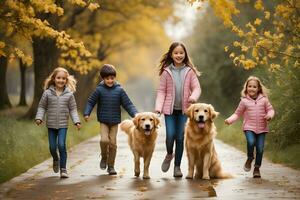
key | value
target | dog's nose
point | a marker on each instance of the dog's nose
(201, 117)
(147, 126)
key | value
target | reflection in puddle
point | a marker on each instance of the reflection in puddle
(206, 186)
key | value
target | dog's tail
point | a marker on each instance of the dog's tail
(126, 125)
(223, 175)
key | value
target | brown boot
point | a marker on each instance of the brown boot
(247, 165)
(112, 151)
(104, 149)
(256, 173)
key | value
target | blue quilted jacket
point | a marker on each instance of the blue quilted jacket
(109, 101)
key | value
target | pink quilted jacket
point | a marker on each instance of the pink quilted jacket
(253, 112)
(166, 91)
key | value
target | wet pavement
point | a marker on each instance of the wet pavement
(87, 181)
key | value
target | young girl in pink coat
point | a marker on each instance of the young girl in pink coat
(257, 111)
(178, 88)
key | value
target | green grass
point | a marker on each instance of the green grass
(233, 135)
(288, 156)
(23, 144)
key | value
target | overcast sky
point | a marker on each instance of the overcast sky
(188, 14)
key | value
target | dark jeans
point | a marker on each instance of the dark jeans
(57, 137)
(258, 141)
(175, 132)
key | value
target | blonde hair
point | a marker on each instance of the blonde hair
(261, 88)
(50, 80)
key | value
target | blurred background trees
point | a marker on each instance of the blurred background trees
(259, 38)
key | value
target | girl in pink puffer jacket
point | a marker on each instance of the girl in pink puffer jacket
(178, 88)
(256, 111)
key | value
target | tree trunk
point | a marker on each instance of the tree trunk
(45, 54)
(4, 100)
(23, 84)
(45, 60)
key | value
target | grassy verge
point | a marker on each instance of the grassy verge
(234, 136)
(23, 144)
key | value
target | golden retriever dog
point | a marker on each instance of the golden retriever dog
(142, 134)
(200, 132)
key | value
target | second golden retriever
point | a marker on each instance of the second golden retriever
(200, 132)
(142, 134)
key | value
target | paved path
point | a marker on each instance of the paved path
(87, 181)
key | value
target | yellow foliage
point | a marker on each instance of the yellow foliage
(274, 66)
(257, 21)
(267, 14)
(244, 48)
(226, 48)
(2, 44)
(248, 63)
(284, 11)
(255, 53)
(259, 5)
(274, 43)
(93, 6)
(236, 44)
(19, 19)
(224, 9)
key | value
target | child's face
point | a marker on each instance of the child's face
(109, 80)
(178, 55)
(252, 88)
(60, 80)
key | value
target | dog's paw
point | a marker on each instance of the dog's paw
(189, 177)
(146, 177)
(205, 177)
(137, 174)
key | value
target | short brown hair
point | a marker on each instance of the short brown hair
(107, 70)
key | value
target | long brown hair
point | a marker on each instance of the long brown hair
(261, 88)
(50, 80)
(167, 59)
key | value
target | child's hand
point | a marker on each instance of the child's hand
(78, 125)
(86, 118)
(38, 122)
(226, 122)
(158, 113)
(268, 118)
(190, 100)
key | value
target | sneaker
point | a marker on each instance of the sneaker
(166, 163)
(256, 173)
(103, 164)
(111, 170)
(56, 166)
(63, 173)
(177, 172)
(247, 166)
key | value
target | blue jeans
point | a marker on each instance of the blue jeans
(175, 132)
(57, 137)
(257, 140)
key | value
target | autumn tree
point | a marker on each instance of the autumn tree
(114, 28)
(31, 20)
(271, 39)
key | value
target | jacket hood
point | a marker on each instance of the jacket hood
(169, 70)
(52, 89)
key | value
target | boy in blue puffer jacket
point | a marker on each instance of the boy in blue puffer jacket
(109, 96)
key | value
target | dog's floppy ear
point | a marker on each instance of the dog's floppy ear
(156, 121)
(213, 113)
(190, 111)
(136, 120)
